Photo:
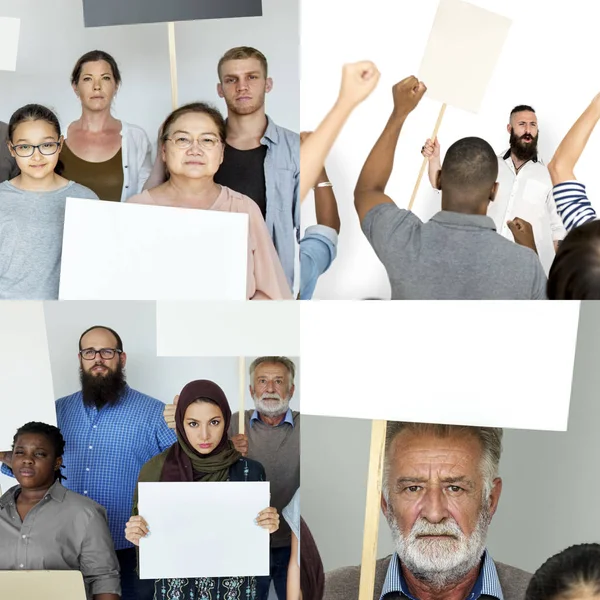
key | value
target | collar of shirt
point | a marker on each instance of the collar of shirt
(56, 491)
(289, 418)
(535, 159)
(271, 133)
(487, 583)
(446, 217)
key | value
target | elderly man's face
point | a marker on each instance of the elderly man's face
(436, 509)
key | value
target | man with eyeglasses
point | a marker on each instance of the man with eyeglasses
(8, 165)
(110, 431)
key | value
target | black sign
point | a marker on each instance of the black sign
(99, 13)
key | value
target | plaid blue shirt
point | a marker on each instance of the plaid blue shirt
(105, 450)
(487, 583)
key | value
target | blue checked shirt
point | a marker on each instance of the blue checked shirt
(105, 450)
(289, 418)
(487, 584)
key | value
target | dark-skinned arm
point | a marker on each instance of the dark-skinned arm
(374, 177)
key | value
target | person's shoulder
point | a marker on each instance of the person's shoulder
(144, 401)
(76, 501)
(513, 581)
(239, 202)
(152, 468)
(68, 400)
(343, 583)
(287, 134)
(144, 197)
(76, 190)
(134, 131)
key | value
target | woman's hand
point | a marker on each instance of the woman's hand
(135, 529)
(268, 519)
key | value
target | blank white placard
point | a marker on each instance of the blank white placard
(228, 328)
(120, 251)
(9, 43)
(26, 391)
(461, 54)
(489, 363)
(203, 529)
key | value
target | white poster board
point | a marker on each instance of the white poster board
(9, 43)
(120, 251)
(227, 328)
(487, 363)
(203, 529)
(26, 391)
(49, 585)
(463, 49)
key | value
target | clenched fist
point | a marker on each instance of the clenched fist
(358, 81)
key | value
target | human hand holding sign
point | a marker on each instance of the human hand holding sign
(169, 413)
(522, 232)
(431, 151)
(240, 443)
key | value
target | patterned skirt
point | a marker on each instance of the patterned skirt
(206, 588)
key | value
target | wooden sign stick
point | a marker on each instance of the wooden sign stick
(373, 506)
(242, 416)
(173, 63)
(425, 161)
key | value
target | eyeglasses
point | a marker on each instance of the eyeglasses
(105, 353)
(27, 150)
(183, 142)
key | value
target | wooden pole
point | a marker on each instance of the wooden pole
(173, 63)
(372, 511)
(425, 161)
(242, 367)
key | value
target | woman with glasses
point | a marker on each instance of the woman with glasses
(192, 143)
(109, 156)
(32, 207)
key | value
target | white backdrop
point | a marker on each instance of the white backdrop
(541, 65)
(53, 38)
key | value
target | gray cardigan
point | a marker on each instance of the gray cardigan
(8, 165)
(342, 584)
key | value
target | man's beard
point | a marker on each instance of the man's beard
(523, 150)
(440, 563)
(246, 109)
(101, 390)
(271, 409)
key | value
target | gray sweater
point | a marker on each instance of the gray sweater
(31, 235)
(8, 165)
(278, 450)
(342, 584)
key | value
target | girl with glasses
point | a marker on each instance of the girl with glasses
(191, 145)
(32, 207)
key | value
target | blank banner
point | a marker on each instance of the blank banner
(9, 43)
(461, 54)
(128, 12)
(26, 391)
(210, 533)
(228, 328)
(115, 251)
(496, 364)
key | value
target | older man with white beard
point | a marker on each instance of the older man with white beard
(440, 491)
(273, 438)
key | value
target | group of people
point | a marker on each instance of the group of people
(245, 163)
(509, 227)
(75, 503)
(440, 491)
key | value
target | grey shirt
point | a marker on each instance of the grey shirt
(454, 256)
(63, 532)
(31, 235)
(342, 584)
(8, 165)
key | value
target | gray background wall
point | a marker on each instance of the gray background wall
(551, 488)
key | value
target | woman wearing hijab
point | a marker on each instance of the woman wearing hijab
(203, 452)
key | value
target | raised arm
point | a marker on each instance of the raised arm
(562, 165)
(358, 81)
(370, 188)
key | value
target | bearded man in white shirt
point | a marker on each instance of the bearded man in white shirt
(525, 190)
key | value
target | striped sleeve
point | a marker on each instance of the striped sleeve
(572, 204)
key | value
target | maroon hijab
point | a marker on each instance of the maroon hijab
(183, 462)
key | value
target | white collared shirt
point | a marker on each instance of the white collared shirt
(528, 195)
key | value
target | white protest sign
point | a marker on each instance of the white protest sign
(209, 533)
(119, 251)
(461, 54)
(9, 43)
(50, 585)
(487, 363)
(26, 390)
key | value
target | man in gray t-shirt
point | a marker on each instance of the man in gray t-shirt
(458, 254)
(8, 165)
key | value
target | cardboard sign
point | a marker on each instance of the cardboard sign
(9, 43)
(130, 12)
